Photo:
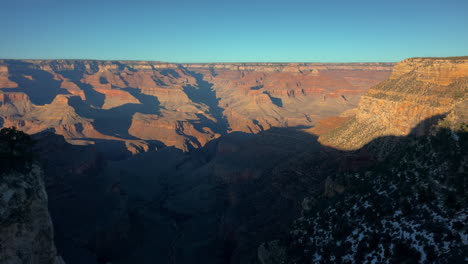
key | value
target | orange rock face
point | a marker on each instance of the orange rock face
(181, 105)
(327, 124)
(115, 98)
(161, 128)
(417, 90)
(259, 96)
(5, 82)
(437, 71)
(15, 104)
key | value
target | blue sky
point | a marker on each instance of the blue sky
(233, 31)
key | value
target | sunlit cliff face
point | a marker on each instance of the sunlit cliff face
(418, 89)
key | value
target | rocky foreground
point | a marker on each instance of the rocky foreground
(26, 231)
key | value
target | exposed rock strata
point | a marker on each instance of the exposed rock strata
(413, 127)
(418, 89)
(181, 105)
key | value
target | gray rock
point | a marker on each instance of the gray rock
(26, 232)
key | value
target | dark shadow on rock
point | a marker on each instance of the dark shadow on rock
(203, 93)
(255, 122)
(213, 71)
(39, 85)
(149, 103)
(170, 73)
(111, 122)
(258, 87)
(103, 80)
(275, 100)
(116, 121)
(122, 67)
(215, 204)
(424, 128)
(159, 82)
(93, 97)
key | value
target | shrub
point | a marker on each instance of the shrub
(16, 150)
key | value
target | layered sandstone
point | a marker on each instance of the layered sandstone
(59, 115)
(155, 127)
(442, 71)
(287, 67)
(419, 89)
(15, 104)
(181, 105)
(263, 95)
(5, 81)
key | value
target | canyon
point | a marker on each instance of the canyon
(142, 106)
(409, 203)
(419, 89)
(153, 162)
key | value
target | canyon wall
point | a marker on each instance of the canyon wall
(145, 105)
(239, 188)
(402, 160)
(419, 89)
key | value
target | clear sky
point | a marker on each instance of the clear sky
(233, 31)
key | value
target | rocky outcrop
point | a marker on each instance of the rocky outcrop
(26, 232)
(5, 81)
(59, 115)
(418, 89)
(12, 104)
(440, 71)
(155, 127)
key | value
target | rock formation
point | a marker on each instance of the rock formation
(409, 203)
(181, 105)
(26, 232)
(256, 97)
(418, 89)
(244, 181)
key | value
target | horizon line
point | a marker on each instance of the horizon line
(243, 62)
(219, 62)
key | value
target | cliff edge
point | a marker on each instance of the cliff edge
(26, 232)
(418, 89)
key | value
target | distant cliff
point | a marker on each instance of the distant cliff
(143, 105)
(418, 89)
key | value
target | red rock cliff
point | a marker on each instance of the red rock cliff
(418, 89)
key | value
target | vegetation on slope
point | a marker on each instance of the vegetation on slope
(16, 150)
(410, 208)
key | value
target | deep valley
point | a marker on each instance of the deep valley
(153, 162)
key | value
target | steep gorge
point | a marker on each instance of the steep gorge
(243, 182)
(182, 105)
